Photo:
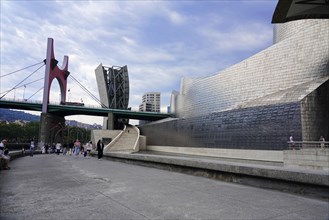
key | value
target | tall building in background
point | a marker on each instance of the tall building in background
(151, 102)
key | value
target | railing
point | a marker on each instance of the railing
(307, 144)
(111, 144)
(58, 103)
(136, 145)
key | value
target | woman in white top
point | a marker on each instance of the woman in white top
(89, 147)
(58, 147)
(32, 148)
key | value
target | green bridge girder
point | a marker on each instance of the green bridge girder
(66, 110)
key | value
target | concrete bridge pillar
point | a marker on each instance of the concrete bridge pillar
(51, 129)
(110, 121)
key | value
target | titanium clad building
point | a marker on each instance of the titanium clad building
(259, 102)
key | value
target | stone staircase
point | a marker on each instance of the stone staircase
(125, 141)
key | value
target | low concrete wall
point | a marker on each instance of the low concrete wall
(99, 134)
(142, 142)
(307, 158)
(17, 154)
(261, 155)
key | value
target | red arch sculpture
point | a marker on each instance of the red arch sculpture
(54, 72)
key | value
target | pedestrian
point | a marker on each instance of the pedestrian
(43, 149)
(32, 146)
(46, 147)
(322, 140)
(58, 147)
(71, 145)
(4, 154)
(89, 147)
(65, 148)
(82, 149)
(100, 148)
(23, 151)
(291, 141)
(53, 148)
(77, 147)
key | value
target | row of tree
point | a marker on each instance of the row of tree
(23, 133)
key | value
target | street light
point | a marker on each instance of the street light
(69, 91)
(24, 92)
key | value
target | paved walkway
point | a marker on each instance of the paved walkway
(73, 187)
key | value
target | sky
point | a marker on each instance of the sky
(159, 41)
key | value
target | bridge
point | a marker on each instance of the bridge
(53, 113)
(66, 110)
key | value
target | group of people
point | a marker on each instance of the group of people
(75, 148)
(72, 148)
(292, 142)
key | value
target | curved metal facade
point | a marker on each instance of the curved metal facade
(258, 102)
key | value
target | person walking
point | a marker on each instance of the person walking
(100, 148)
(65, 148)
(292, 143)
(32, 146)
(71, 145)
(58, 147)
(89, 147)
(77, 147)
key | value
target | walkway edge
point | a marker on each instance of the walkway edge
(272, 172)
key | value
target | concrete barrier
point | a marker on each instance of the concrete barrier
(316, 158)
(260, 155)
(17, 154)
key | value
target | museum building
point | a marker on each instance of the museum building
(259, 102)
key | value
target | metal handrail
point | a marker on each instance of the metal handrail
(136, 145)
(111, 144)
(308, 144)
(58, 103)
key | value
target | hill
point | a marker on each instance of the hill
(13, 115)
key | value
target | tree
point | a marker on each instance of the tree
(32, 130)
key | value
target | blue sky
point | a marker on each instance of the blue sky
(159, 41)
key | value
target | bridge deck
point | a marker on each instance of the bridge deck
(73, 187)
(65, 110)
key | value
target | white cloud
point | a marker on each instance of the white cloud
(176, 18)
(241, 37)
(159, 42)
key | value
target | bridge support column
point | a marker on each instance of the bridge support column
(110, 121)
(51, 129)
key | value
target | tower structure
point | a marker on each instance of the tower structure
(52, 126)
(113, 87)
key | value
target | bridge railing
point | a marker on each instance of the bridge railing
(21, 100)
(56, 103)
(308, 144)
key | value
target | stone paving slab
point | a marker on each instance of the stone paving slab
(73, 187)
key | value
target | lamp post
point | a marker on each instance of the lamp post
(24, 93)
(69, 91)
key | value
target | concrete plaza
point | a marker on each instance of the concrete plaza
(73, 187)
